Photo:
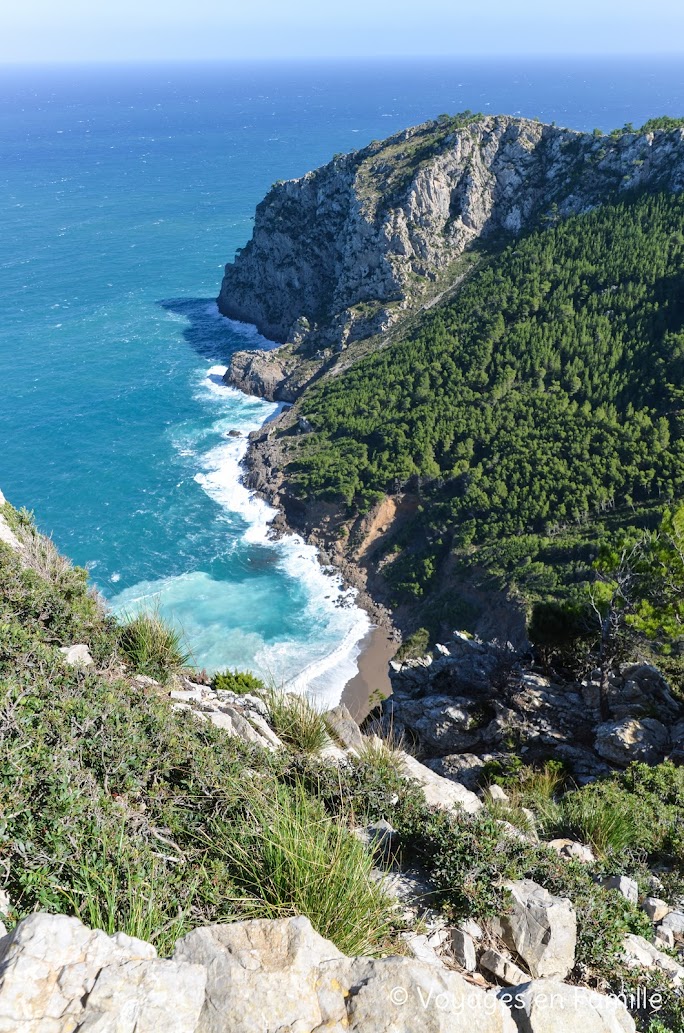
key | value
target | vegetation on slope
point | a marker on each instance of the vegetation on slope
(136, 817)
(535, 415)
(124, 812)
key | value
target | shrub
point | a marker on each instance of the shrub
(236, 681)
(608, 823)
(152, 647)
(415, 645)
(383, 755)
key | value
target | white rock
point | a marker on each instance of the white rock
(5, 903)
(549, 1006)
(498, 794)
(419, 948)
(656, 909)
(400, 995)
(626, 887)
(145, 997)
(438, 791)
(675, 923)
(77, 656)
(464, 950)
(664, 938)
(263, 728)
(187, 695)
(48, 966)
(572, 850)
(7, 535)
(144, 682)
(540, 928)
(639, 953)
(502, 968)
(470, 926)
(334, 754)
(261, 975)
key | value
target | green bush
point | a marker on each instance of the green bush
(236, 681)
(417, 644)
(152, 646)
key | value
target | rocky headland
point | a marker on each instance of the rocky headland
(349, 250)
(349, 259)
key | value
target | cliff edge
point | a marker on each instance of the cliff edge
(344, 252)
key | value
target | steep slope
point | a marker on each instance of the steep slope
(515, 423)
(343, 252)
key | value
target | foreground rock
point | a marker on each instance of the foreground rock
(57, 976)
(548, 1006)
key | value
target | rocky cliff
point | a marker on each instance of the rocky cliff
(343, 252)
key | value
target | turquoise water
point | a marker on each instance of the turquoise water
(123, 192)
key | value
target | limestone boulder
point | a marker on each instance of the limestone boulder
(344, 728)
(655, 908)
(674, 921)
(549, 1006)
(260, 974)
(639, 953)
(622, 884)
(438, 791)
(572, 850)
(145, 997)
(501, 968)
(57, 976)
(632, 739)
(401, 995)
(540, 928)
(77, 656)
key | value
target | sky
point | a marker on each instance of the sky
(114, 30)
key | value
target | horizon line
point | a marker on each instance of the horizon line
(549, 56)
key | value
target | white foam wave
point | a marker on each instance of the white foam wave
(323, 657)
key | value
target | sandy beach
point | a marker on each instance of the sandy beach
(361, 691)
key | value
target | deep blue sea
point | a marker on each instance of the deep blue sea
(124, 190)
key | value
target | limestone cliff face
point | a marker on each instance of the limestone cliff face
(341, 253)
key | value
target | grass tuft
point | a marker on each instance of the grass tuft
(291, 858)
(297, 721)
(153, 647)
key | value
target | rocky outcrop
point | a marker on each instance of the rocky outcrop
(7, 535)
(462, 708)
(57, 976)
(260, 373)
(343, 252)
(548, 1006)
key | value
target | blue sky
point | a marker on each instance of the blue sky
(77, 30)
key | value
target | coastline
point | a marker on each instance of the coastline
(381, 641)
(372, 680)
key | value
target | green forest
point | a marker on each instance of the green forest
(536, 416)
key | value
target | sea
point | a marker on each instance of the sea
(124, 189)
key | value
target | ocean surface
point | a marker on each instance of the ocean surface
(124, 190)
